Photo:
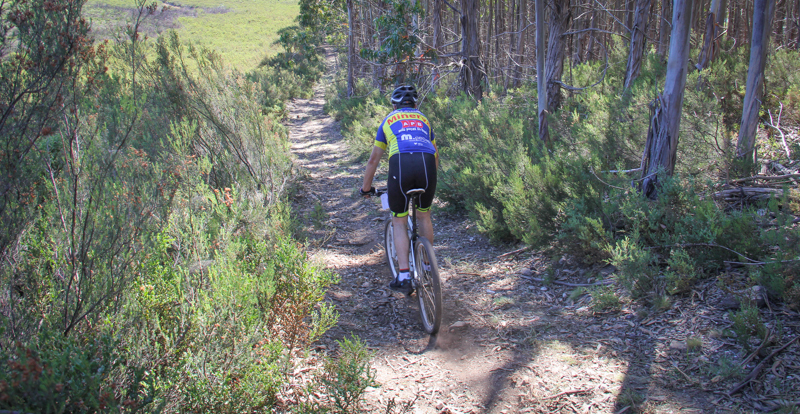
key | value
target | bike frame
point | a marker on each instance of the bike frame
(412, 260)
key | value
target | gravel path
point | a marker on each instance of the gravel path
(508, 344)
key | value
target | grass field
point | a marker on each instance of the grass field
(242, 31)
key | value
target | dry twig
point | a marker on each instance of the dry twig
(524, 249)
(759, 367)
(566, 393)
(757, 351)
(558, 282)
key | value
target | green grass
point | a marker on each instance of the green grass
(241, 31)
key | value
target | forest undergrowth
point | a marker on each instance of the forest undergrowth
(149, 259)
(717, 221)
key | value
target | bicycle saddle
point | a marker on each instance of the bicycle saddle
(415, 191)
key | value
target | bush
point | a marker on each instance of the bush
(156, 270)
(59, 374)
(359, 116)
(347, 377)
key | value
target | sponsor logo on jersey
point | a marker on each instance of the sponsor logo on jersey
(413, 124)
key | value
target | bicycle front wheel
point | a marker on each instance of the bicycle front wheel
(388, 247)
(428, 286)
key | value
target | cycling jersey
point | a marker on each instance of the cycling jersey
(405, 130)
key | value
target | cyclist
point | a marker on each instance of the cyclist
(413, 160)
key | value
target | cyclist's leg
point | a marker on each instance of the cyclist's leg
(425, 224)
(398, 204)
(428, 181)
(401, 240)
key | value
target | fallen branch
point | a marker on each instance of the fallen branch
(601, 180)
(777, 127)
(755, 193)
(759, 367)
(761, 263)
(558, 282)
(562, 393)
(688, 378)
(757, 351)
(763, 177)
(622, 171)
(706, 245)
(524, 249)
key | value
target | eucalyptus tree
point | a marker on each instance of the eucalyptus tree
(762, 19)
(638, 36)
(714, 21)
(472, 69)
(662, 137)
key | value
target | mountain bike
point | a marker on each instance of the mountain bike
(423, 266)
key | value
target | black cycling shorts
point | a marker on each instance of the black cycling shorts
(407, 172)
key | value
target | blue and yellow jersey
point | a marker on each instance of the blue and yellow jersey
(405, 130)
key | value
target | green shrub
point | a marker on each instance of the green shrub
(166, 227)
(56, 374)
(681, 271)
(604, 299)
(746, 324)
(347, 377)
(290, 74)
(636, 269)
(360, 115)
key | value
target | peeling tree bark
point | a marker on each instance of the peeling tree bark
(711, 43)
(762, 19)
(556, 50)
(438, 38)
(472, 70)
(638, 38)
(540, 77)
(662, 137)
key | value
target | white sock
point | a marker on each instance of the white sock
(403, 276)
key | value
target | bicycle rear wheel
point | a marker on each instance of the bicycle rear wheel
(428, 286)
(388, 247)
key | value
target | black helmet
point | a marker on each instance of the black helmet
(406, 94)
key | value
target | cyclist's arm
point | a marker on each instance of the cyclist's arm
(372, 166)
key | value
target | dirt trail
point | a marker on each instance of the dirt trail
(508, 343)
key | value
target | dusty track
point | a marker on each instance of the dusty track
(508, 344)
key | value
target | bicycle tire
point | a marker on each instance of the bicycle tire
(388, 247)
(428, 286)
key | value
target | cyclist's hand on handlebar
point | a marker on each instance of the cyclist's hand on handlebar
(367, 194)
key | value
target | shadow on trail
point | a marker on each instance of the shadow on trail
(518, 348)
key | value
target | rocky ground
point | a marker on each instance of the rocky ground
(510, 342)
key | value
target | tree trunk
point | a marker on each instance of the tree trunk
(711, 43)
(797, 24)
(630, 14)
(540, 76)
(471, 71)
(351, 49)
(780, 17)
(762, 19)
(662, 137)
(638, 38)
(520, 56)
(512, 47)
(663, 31)
(723, 9)
(554, 66)
(577, 55)
(438, 40)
